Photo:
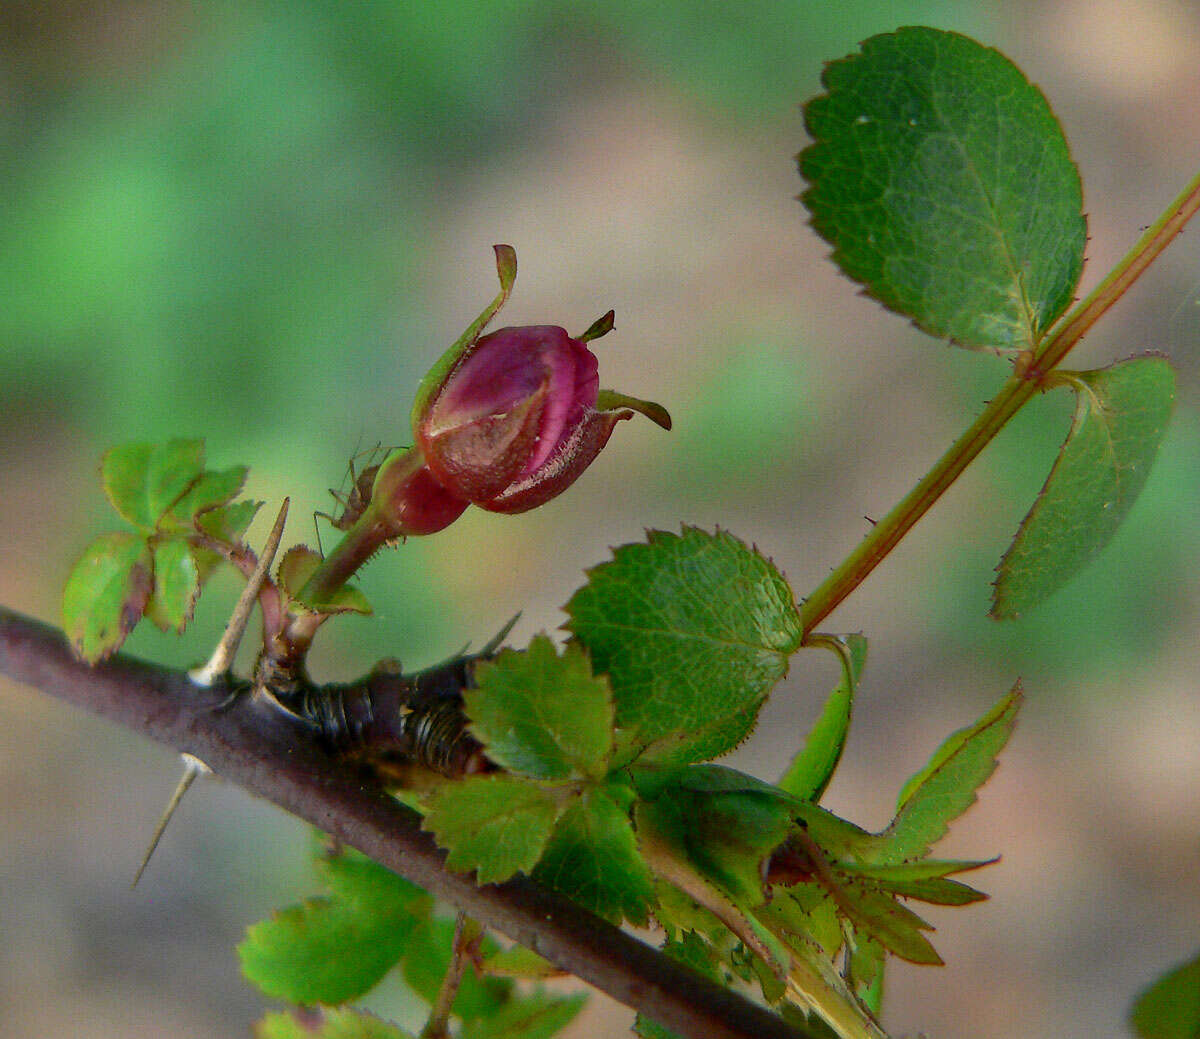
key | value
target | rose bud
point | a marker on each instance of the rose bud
(511, 419)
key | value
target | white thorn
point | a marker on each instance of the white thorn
(221, 661)
(192, 767)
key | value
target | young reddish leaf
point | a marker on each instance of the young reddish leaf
(812, 768)
(541, 715)
(143, 481)
(333, 1023)
(496, 825)
(176, 585)
(945, 788)
(106, 594)
(942, 179)
(1170, 1008)
(297, 566)
(1121, 415)
(692, 630)
(593, 859)
(330, 950)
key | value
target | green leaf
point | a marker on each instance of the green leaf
(297, 566)
(143, 481)
(176, 585)
(941, 178)
(427, 960)
(695, 952)
(497, 825)
(924, 880)
(593, 859)
(1170, 1008)
(1121, 415)
(330, 950)
(213, 488)
(945, 787)
(541, 715)
(229, 522)
(335, 1024)
(538, 1015)
(895, 927)
(811, 770)
(518, 962)
(106, 594)
(693, 631)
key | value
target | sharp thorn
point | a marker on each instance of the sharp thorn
(192, 767)
(221, 661)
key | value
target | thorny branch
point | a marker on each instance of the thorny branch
(262, 751)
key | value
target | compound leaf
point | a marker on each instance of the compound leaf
(693, 630)
(106, 594)
(942, 179)
(541, 715)
(497, 825)
(1121, 415)
(538, 1015)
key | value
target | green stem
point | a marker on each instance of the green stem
(1026, 380)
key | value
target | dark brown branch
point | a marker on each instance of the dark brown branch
(261, 751)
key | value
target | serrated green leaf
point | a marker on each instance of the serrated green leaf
(691, 629)
(897, 928)
(945, 787)
(297, 566)
(335, 1024)
(593, 859)
(538, 1015)
(428, 959)
(352, 877)
(213, 488)
(1121, 416)
(812, 768)
(229, 522)
(942, 179)
(924, 880)
(1170, 1008)
(330, 950)
(143, 481)
(541, 715)
(496, 825)
(176, 585)
(106, 594)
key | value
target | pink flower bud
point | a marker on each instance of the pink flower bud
(516, 419)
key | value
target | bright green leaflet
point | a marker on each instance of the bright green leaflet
(176, 585)
(1121, 416)
(105, 594)
(945, 788)
(942, 179)
(593, 859)
(143, 481)
(1170, 1008)
(496, 825)
(330, 950)
(693, 630)
(541, 715)
(337, 1024)
(812, 768)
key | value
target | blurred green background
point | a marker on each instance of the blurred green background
(260, 222)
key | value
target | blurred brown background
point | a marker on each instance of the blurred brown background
(260, 222)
